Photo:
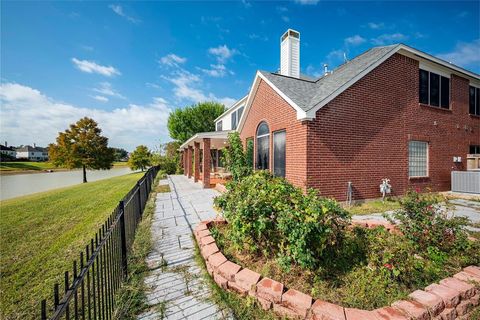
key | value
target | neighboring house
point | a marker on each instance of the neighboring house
(32, 153)
(9, 151)
(392, 112)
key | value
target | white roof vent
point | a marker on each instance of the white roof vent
(290, 54)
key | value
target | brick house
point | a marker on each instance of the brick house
(392, 112)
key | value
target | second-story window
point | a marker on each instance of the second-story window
(219, 125)
(474, 101)
(434, 89)
(234, 120)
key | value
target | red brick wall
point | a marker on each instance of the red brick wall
(270, 107)
(362, 135)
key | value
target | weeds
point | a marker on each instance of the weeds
(131, 296)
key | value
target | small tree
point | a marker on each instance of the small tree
(237, 161)
(120, 154)
(82, 146)
(140, 158)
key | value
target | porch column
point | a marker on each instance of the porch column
(196, 159)
(185, 157)
(189, 161)
(206, 163)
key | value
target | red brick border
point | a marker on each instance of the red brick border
(452, 298)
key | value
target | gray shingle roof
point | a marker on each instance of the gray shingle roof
(308, 93)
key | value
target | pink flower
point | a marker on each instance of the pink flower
(388, 266)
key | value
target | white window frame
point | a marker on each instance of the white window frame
(427, 159)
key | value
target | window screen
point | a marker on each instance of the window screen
(445, 93)
(263, 146)
(474, 149)
(240, 112)
(219, 126)
(279, 153)
(471, 100)
(423, 87)
(234, 121)
(417, 159)
(477, 103)
(434, 89)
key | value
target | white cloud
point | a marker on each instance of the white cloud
(307, 2)
(376, 26)
(106, 89)
(285, 18)
(222, 53)
(100, 98)
(217, 71)
(355, 40)
(389, 38)
(152, 85)
(255, 36)
(186, 88)
(172, 60)
(30, 116)
(119, 11)
(92, 67)
(465, 54)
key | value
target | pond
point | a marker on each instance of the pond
(22, 184)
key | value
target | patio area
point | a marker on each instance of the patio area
(202, 158)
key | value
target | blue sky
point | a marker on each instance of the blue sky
(128, 64)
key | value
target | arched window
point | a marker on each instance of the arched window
(263, 146)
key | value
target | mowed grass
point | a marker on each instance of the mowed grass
(41, 234)
(25, 165)
(21, 166)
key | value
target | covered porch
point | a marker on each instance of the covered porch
(202, 158)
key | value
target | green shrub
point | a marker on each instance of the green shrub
(269, 213)
(427, 223)
(238, 161)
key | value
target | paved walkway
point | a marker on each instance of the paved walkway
(175, 285)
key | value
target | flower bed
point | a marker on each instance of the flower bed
(451, 298)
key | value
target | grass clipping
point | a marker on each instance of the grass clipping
(131, 299)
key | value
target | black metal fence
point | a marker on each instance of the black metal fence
(88, 292)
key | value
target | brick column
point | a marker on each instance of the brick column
(196, 159)
(206, 163)
(189, 161)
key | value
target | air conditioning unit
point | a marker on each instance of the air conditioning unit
(473, 162)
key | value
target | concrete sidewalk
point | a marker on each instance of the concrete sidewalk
(175, 285)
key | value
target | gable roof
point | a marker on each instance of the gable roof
(307, 96)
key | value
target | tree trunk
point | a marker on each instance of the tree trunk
(84, 174)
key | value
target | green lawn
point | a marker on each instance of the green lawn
(41, 234)
(373, 206)
(22, 166)
(25, 165)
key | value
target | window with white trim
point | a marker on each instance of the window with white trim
(279, 153)
(417, 159)
(219, 125)
(474, 100)
(434, 89)
(263, 147)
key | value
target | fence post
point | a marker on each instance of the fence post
(123, 239)
(139, 199)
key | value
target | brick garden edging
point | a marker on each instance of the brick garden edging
(453, 298)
